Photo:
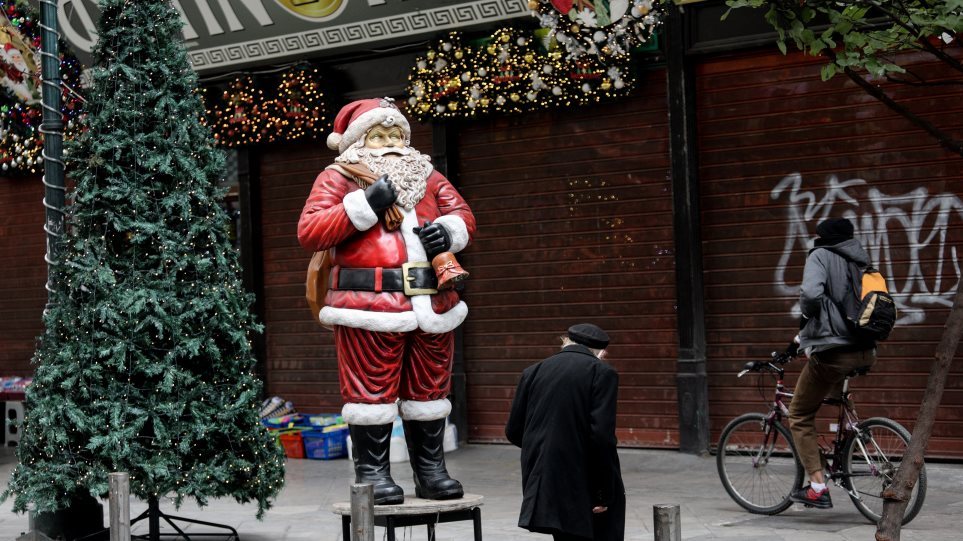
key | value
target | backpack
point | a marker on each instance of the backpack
(875, 315)
(870, 311)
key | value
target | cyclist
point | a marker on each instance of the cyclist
(826, 339)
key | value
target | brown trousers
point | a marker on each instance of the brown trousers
(822, 376)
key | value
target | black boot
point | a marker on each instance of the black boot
(369, 450)
(426, 451)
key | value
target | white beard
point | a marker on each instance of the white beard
(407, 170)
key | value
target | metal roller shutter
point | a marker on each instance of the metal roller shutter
(22, 299)
(574, 212)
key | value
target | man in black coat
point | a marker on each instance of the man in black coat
(563, 418)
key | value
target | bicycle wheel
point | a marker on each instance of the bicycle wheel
(870, 468)
(757, 464)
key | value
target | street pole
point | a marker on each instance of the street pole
(52, 129)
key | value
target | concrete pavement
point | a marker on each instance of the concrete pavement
(303, 509)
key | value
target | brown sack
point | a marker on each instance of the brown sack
(316, 285)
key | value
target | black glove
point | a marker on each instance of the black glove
(380, 195)
(793, 349)
(434, 237)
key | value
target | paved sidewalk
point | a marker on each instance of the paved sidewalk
(651, 477)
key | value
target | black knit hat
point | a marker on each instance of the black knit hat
(588, 335)
(835, 230)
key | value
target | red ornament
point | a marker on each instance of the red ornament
(563, 6)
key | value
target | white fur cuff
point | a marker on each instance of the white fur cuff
(369, 414)
(359, 211)
(425, 411)
(433, 322)
(372, 321)
(457, 229)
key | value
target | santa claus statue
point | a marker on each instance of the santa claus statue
(385, 213)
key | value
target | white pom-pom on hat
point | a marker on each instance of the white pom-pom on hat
(334, 139)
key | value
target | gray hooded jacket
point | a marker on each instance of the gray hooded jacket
(825, 284)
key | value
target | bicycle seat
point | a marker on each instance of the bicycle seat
(861, 371)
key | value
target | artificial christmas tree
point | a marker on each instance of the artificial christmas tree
(145, 364)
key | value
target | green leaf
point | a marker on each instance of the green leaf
(782, 46)
(827, 72)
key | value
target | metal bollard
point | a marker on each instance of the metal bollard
(362, 512)
(668, 523)
(119, 506)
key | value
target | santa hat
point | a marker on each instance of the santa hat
(356, 118)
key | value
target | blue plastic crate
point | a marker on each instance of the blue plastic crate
(321, 445)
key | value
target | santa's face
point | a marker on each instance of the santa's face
(384, 137)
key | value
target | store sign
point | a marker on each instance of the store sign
(240, 33)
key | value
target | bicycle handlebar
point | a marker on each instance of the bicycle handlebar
(773, 365)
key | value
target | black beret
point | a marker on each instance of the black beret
(588, 335)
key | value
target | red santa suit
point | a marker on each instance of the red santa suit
(390, 345)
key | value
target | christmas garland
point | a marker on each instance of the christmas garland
(292, 108)
(604, 28)
(509, 72)
(21, 143)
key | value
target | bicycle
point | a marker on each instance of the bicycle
(759, 466)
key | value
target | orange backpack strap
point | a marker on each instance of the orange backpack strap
(872, 281)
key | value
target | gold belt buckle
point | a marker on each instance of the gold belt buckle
(405, 278)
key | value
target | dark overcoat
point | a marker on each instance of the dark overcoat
(563, 418)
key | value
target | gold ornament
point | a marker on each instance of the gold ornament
(459, 54)
(606, 50)
(606, 84)
(484, 102)
(452, 106)
(574, 29)
(515, 97)
(533, 5)
(424, 107)
(492, 49)
(529, 58)
(505, 38)
(431, 55)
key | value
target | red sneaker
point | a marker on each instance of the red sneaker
(810, 498)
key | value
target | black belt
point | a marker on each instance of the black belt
(421, 279)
